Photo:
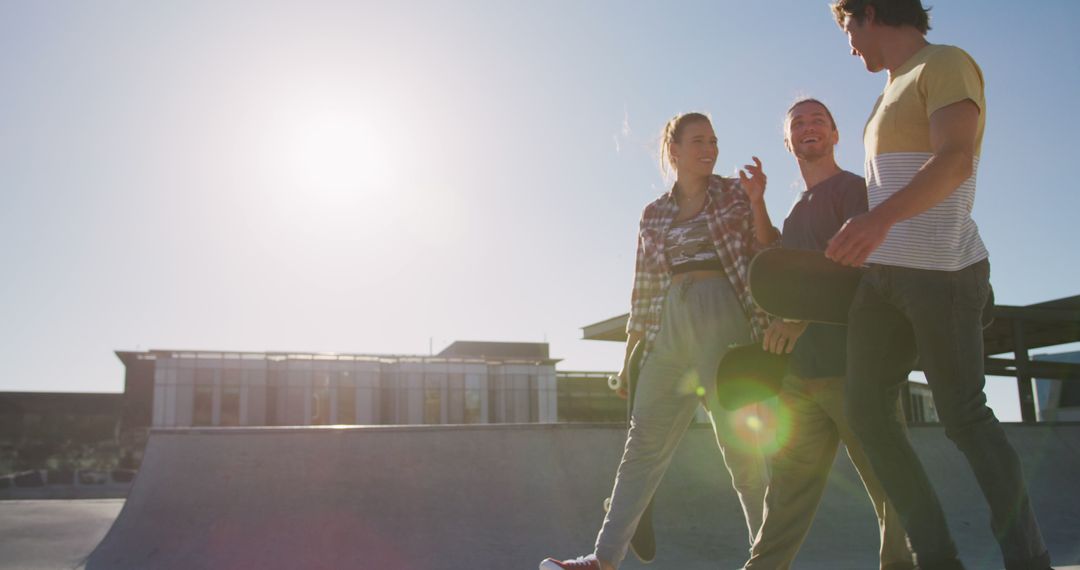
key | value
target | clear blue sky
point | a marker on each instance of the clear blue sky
(371, 176)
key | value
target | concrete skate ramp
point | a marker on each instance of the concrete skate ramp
(502, 497)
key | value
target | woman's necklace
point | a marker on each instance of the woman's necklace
(689, 206)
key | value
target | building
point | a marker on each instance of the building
(919, 404)
(469, 382)
(34, 417)
(1057, 400)
(586, 397)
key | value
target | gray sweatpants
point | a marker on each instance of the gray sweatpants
(700, 320)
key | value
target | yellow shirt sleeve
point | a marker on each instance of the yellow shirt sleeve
(950, 77)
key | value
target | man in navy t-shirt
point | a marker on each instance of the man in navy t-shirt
(813, 391)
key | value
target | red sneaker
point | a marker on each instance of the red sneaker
(580, 563)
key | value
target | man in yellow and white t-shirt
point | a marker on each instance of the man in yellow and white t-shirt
(927, 280)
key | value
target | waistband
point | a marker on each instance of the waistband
(707, 265)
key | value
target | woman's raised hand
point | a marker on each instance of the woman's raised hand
(755, 183)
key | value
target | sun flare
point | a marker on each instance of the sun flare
(334, 152)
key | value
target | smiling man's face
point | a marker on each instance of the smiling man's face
(810, 132)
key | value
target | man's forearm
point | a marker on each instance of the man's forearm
(935, 181)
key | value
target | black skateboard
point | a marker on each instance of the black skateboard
(805, 285)
(748, 373)
(643, 543)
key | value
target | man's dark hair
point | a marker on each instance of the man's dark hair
(888, 12)
(798, 102)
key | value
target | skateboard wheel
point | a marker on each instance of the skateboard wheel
(607, 504)
(615, 382)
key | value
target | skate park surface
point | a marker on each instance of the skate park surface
(507, 496)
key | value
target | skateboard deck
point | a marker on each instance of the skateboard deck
(748, 373)
(805, 285)
(643, 543)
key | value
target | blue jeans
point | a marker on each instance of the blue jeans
(897, 313)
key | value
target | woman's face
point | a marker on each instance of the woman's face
(695, 152)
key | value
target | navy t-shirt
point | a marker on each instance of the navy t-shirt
(814, 219)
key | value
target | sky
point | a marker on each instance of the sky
(376, 177)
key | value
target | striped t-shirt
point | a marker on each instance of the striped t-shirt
(897, 140)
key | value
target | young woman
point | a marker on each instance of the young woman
(691, 300)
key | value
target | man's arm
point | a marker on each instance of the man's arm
(952, 139)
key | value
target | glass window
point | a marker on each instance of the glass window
(294, 406)
(274, 379)
(1070, 395)
(533, 396)
(230, 398)
(474, 399)
(344, 388)
(588, 399)
(204, 406)
(320, 406)
(455, 399)
(917, 409)
(388, 398)
(433, 398)
(367, 392)
(203, 409)
(298, 405)
(346, 404)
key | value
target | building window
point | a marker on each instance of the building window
(367, 394)
(455, 399)
(585, 397)
(296, 403)
(204, 406)
(495, 399)
(274, 380)
(916, 409)
(1069, 396)
(388, 397)
(534, 398)
(320, 406)
(230, 398)
(474, 400)
(433, 398)
(203, 409)
(346, 399)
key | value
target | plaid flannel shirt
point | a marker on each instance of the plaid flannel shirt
(727, 209)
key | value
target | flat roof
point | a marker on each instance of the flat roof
(1049, 323)
(610, 329)
(129, 357)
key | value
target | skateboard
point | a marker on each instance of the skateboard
(643, 543)
(748, 373)
(805, 285)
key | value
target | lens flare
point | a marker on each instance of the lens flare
(690, 383)
(764, 425)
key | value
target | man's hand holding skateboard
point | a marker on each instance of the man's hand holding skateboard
(781, 336)
(857, 239)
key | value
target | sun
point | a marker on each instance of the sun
(335, 151)
(351, 169)
(327, 157)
